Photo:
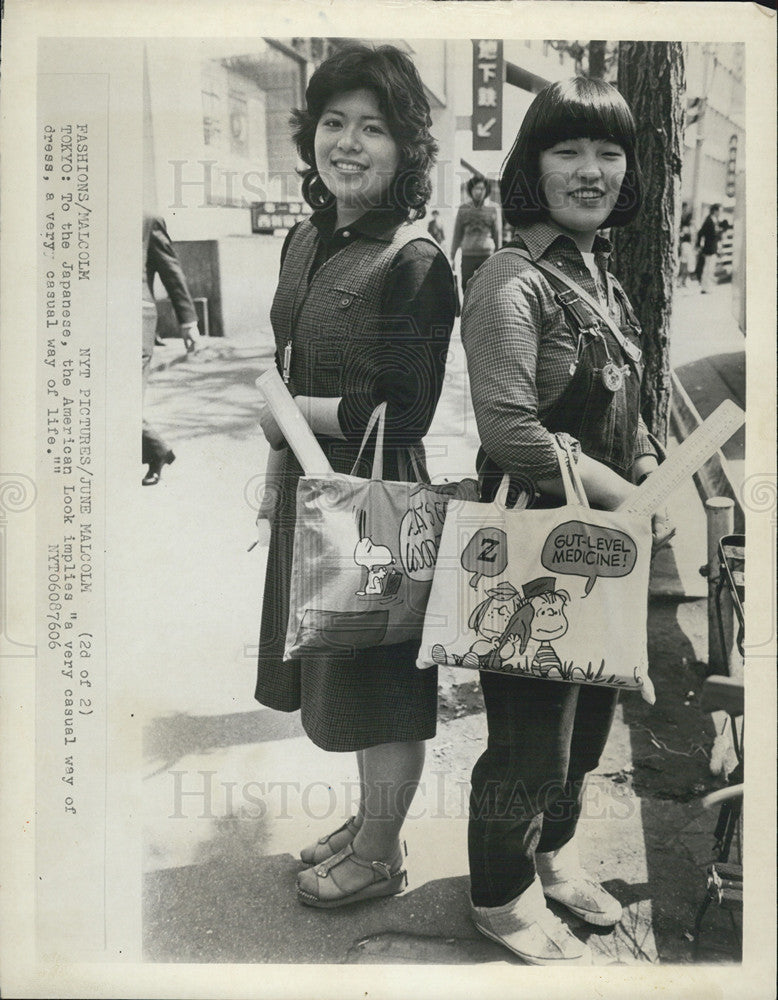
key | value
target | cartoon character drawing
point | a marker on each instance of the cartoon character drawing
(489, 621)
(539, 620)
(377, 561)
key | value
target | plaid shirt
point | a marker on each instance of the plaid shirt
(520, 346)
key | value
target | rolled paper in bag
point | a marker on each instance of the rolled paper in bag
(298, 434)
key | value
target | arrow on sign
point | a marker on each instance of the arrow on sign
(484, 129)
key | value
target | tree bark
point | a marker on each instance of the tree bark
(651, 77)
(597, 60)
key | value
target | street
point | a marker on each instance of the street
(232, 791)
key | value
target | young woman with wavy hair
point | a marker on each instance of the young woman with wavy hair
(362, 316)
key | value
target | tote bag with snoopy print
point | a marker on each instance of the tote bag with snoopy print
(556, 594)
(364, 556)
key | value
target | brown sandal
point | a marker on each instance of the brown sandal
(314, 854)
(319, 887)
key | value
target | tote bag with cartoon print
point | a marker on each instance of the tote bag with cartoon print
(364, 556)
(557, 594)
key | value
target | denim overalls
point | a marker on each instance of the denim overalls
(604, 422)
(545, 736)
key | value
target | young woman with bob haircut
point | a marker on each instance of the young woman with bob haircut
(537, 368)
(362, 315)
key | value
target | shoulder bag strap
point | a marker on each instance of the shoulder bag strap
(585, 320)
(631, 351)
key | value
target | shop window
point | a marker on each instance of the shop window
(211, 113)
(239, 124)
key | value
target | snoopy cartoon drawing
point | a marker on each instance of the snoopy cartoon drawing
(539, 620)
(376, 560)
(489, 621)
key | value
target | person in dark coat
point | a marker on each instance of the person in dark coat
(708, 246)
(362, 315)
(160, 258)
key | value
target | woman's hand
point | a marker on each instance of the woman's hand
(642, 468)
(662, 530)
(662, 527)
(270, 428)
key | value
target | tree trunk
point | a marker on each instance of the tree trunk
(597, 60)
(651, 77)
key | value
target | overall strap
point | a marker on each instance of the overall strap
(571, 295)
(617, 292)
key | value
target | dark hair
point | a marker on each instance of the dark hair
(715, 208)
(570, 109)
(395, 81)
(476, 179)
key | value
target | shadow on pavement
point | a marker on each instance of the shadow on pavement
(219, 395)
(240, 906)
(671, 744)
(237, 903)
(170, 738)
(712, 379)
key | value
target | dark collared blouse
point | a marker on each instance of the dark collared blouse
(352, 700)
(520, 346)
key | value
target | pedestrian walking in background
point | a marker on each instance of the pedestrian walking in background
(362, 315)
(537, 368)
(708, 246)
(160, 258)
(435, 229)
(477, 229)
(686, 257)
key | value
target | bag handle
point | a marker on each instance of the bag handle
(571, 477)
(415, 466)
(377, 417)
(402, 465)
(501, 496)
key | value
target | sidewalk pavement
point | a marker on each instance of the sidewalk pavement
(233, 790)
(708, 357)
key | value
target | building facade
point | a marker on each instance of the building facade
(219, 164)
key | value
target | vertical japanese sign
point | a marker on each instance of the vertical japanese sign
(731, 167)
(488, 75)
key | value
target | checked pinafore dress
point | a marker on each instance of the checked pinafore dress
(347, 701)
